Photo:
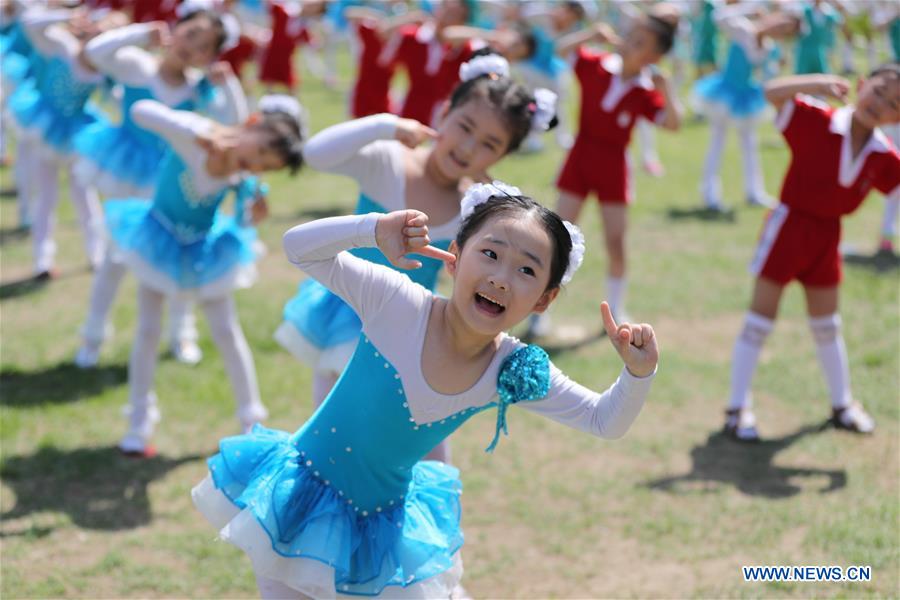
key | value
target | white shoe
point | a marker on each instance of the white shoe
(251, 415)
(764, 200)
(88, 355)
(187, 352)
(740, 425)
(142, 424)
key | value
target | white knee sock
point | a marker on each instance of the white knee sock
(745, 356)
(182, 322)
(711, 187)
(142, 363)
(44, 214)
(889, 219)
(103, 291)
(833, 358)
(754, 187)
(615, 294)
(229, 338)
(90, 215)
(647, 141)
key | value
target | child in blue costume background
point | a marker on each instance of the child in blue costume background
(488, 116)
(816, 39)
(48, 113)
(344, 505)
(123, 159)
(177, 248)
(734, 96)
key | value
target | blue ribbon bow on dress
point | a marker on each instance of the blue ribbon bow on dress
(525, 375)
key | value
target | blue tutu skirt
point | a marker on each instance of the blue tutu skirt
(717, 97)
(40, 121)
(297, 530)
(15, 69)
(209, 267)
(119, 161)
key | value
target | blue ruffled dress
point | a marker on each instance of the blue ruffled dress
(18, 60)
(124, 160)
(734, 92)
(55, 108)
(344, 504)
(176, 244)
(317, 321)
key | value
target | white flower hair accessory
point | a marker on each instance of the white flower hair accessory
(229, 23)
(544, 109)
(480, 193)
(485, 64)
(576, 256)
(272, 103)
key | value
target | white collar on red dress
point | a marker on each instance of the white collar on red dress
(618, 87)
(849, 167)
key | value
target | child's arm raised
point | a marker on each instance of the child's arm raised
(229, 106)
(672, 110)
(180, 128)
(782, 89)
(610, 414)
(598, 32)
(318, 248)
(116, 52)
(37, 23)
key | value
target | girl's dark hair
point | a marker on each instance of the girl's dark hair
(513, 100)
(883, 69)
(216, 21)
(663, 31)
(526, 32)
(552, 224)
(286, 135)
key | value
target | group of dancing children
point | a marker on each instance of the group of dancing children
(362, 499)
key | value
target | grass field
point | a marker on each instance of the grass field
(671, 510)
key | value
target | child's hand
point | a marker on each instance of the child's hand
(660, 81)
(411, 133)
(219, 72)
(259, 210)
(636, 344)
(160, 35)
(835, 87)
(605, 34)
(405, 231)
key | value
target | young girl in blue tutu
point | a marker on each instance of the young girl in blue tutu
(487, 117)
(48, 113)
(178, 249)
(123, 159)
(734, 96)
(345, 505)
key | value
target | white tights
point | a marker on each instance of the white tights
(107, 278)
(711, 187)
(228, 337)
(44, 174)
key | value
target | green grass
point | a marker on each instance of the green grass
(671, 510)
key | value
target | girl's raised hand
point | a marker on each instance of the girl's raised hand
(403, 232)
(159, 33)
(411, 133)
(834, 87)
(636, 344)
(219, 72)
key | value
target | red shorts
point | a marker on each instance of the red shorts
(794, 245)
(592, 167)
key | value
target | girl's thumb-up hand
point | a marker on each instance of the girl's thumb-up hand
(411, 133)
(636, 344)
(404, 232)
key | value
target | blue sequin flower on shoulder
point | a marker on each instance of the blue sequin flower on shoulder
(524, 376)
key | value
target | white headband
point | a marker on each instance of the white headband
(229, 23)
(480, 193)
(545, 109)
(484, 65)
(285, 104)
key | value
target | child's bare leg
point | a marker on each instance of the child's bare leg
(614, 217)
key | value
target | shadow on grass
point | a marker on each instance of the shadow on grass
(701, 213)
(59, 384)
(881, 262)
(13, 234)
(749, 467)
(98, 488)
